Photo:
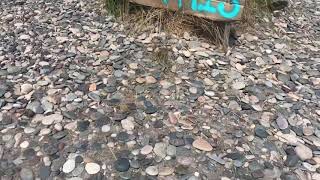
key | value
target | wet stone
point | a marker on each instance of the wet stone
(122, 165)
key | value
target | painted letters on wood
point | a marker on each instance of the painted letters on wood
(211, 9)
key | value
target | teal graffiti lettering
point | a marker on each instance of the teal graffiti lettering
(179, 3)
(207, 7)
(232, 14)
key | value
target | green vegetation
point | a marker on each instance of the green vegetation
(117, 7)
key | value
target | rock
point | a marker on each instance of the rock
(26, 88)
(24, 144)
(26, 174)
(238, 85)
(44, 172)
(146, 150)
(289, 176)
(261, 132)
(94, 96)
(83, 125)
(171, 150)
(48, 120)
(122, 165)
(291, 161)
(160, 149)
(105, 128)
(202, 145)
(150, 80)
(165, 171)
(152, 170)
(35, 106)
(133, 65)
(128, 124)
(282, 122)
(308, 130)
(69, 166)
(92, 168)
(303, 152)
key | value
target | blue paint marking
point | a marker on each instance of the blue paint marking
(232, 14)
(206, 7)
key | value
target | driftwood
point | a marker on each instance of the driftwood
(209, 9)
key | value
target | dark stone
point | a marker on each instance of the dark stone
(119, 116)
(113, 102)
(177, 142)
(102, 121)
(146, 162)
(278, 4)
(79, 159)
(149, 107)
(123, 154)
(6, 119)
(82, 125)
(69, 114)
(123, 136)
(44, 172)
(257, 174)
(292, 161)
(29, 153)
(289, 176)
(110, 89)
(158, 124)
(60, 135)
(122, 165)
(268, 165)
(57, 164)
(261, 132)
(29, 113)
(83, 146)
(234, 156)
(50, 148)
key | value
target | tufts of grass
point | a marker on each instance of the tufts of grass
(117, 7)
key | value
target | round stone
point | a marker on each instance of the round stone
(166, 171)
(146, 150)
(24, 144)
(122, 165)
(150, 80)
(303, 152)
(202, 144)
(105, 128)
(308, 131)
(282, 122)
(26, 174)
(69, 166)
(92, 168)
(152, 170)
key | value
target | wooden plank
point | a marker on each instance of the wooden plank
(186, 7)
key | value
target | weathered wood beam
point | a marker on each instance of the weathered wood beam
(215, 13)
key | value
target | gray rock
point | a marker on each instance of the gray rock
(35, 106)
(26, 174)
